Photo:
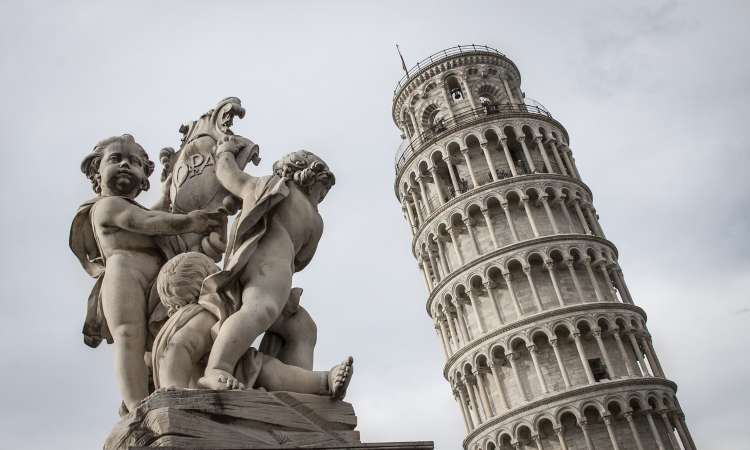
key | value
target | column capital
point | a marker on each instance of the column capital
(504, 204)
(532, 348)
(489, 284)
(526, 269)
(503, 139)
(558, 430)
(549, 264)
(553, 342)
(577, 335)
(506, 275)
(629, 416)
(521, 138)
(469, 221)
(607, 419)
(464, 150)
(597, 332)
(586, 260)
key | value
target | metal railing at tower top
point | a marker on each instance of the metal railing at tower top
(442, 54)
(444, 126)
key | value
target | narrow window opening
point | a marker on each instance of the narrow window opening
(598, 369)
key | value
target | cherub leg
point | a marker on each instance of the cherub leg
(124, 307)
(277, 376)
(300, 335)
(262, 301)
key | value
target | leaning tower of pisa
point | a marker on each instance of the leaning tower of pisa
(544, 346)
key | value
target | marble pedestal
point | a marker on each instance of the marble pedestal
(257, 420)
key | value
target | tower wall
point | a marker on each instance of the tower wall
(544, 346)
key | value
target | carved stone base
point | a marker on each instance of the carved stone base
(203, 419)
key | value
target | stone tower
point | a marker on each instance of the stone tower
(544, 346)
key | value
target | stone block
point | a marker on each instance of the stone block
(252, 419)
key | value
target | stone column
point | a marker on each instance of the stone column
(670, 430)
(582, 355)
(654, 431)
(447, 99)
(451, 172)
(474, 402)
(488, 157)
(466, 408)
(499, 385)
(637, 350)
(624, 285)
(467, 158)
(442, 341)
(453, 333)
(417, 208)
(526, 153)
(434, 264)
(610, 431)
(634, 430)
(405, 208)
(597, 292)
(586, 437)
(490, 227)
(443, 324)
(561, 437)
(550, 216)
(566, 156)
(550, 266)
(602, 264)
(461, 320)
(574, 276)
(456, 247)
(538, 441)
(508, 157)
(486, 401)
(618, 282)
(566, 213)
(423, 268)
(537, 368)
(595, 222)
(475, 308)
(512, 359)
(423, 191)
(563, 371)
(464, 412)
(529, 215)
(506, 210)
(556, 154)
(442, 256)
(604, 352)
(512, 292)
(581, 218)
(535, 294)
(490, 285)
(651, 354)
(543, 151)
(438, 185)
(469, 222)
(623, 352)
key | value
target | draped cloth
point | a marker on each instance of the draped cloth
(85, 246)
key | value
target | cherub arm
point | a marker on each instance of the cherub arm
(118, 212)
(228, 172)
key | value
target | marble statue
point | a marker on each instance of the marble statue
(175, 319)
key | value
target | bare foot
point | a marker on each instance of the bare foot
(219, 380)
(339, 377)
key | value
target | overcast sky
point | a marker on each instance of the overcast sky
(653, 94)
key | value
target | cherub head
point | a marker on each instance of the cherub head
(180, 279)
(308, 171)
(118, 166)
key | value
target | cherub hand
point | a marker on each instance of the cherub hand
(206, 221)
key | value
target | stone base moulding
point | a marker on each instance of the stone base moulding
(252, 419)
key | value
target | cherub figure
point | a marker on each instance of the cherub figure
(184, 342)
(115, 240)
(275, 235)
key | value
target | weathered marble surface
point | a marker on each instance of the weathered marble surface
(249, 419)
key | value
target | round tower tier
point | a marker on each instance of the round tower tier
(544, 346)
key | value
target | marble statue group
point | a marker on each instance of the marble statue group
(175, 318)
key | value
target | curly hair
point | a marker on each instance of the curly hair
(304, 169)
(90, 164)
(180, 279)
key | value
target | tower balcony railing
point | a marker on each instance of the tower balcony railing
(440, 56)
(447, 125)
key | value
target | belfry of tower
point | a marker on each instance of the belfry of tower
(544, 346)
